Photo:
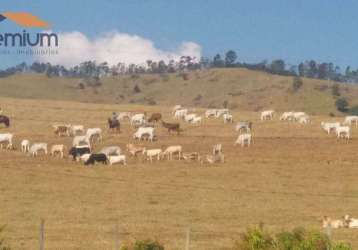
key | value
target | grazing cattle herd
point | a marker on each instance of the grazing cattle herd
(83, 141)
(81, 149)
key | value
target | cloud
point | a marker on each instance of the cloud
(74, 48)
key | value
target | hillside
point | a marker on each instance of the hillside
(241, 89)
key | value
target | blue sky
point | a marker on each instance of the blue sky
(293, 30)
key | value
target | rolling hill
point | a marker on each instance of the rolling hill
(238, 89)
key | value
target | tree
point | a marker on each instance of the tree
(323, 70)
(278, 66)
(230, 58)
(217, 61)
(348, 71)
(312, 69)
(342, 104)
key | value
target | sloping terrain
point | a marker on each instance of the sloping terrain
(291, 176)
(238, 89)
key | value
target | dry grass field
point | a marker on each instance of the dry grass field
(291, 176)
(240, 89)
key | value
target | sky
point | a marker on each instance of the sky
(293, 30)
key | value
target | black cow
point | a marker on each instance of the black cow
(5, 120)
(78, 151)
(97, 158)
(114, 124)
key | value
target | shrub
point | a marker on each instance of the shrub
(254, 239)
(81, 85)
(298, 239)
(341, 246)
(136, 89)
(335, 90)
(353, 110)
(341, 104)
(296, 83)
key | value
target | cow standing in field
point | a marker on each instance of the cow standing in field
(97, 158)
(78, 151)
(61, 130)
(155, 117)
(171, 127)
(58, 149)
(244, 126)
(25, 146)
(6, 138)
(148, 131)
(114, 125)
(5, 120)
(37, 147)
(267, 115)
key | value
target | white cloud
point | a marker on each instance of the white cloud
(75, 47)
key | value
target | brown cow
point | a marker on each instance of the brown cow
(61, 130)
(155, 117)
(172, 127)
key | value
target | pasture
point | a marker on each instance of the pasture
(291, 176)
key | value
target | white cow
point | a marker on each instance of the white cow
(350, 119)
(243, 126)
(305, 119)
(144, 131)
(113, 159)
(180, 113)
(297, 115)
(267, 115)
(57, 149)
(81, 140)
(244, 139)
(350, 222)
(220, 112)
(328, 126)
(328, 222)
(138, 119)
(210, 112)
(176, 107)
(343, 132)
(77, 129)
(111, 150)
(189, 117)
(169, 151)
(94, 132)
(286, 116)
(150, 153)
(36, 147)
(217, 149)
(25, 146)
(84, 157)
(196, 120)
(228, 118)
(123, 115)
(6, 138)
